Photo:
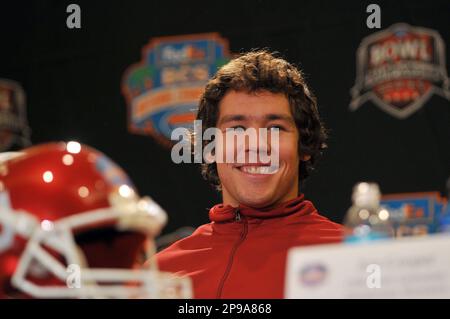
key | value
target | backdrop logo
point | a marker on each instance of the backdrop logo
(14, 129)
(313, 274)
(399, 69)
(163, 89)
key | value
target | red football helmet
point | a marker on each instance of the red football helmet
(73, 226)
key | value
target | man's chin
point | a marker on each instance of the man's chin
(259, 202)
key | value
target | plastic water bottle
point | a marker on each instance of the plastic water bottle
(444, 221)
(366, 220)
(444, 218)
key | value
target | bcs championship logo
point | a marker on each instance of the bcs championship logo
(163, 90)
(399, 69)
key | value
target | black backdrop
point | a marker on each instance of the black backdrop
(72, 80)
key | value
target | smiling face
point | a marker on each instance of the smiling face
(249, 183)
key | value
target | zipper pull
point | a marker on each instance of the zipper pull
(238, 215)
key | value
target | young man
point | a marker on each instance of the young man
(242, 252)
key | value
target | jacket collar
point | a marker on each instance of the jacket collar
(224, 213)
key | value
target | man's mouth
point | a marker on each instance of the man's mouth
(257, 169)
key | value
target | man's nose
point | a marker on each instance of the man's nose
(259, 142)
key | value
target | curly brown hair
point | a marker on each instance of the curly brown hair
(262, 70)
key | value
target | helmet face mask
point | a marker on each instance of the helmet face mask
(52, 264)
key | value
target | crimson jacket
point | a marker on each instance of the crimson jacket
(242, 252)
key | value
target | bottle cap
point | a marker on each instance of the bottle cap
(366, 195)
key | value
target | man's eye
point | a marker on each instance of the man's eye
(239, 127)
(273, 127)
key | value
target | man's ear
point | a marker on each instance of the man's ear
(305, 157)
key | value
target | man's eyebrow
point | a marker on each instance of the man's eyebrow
(284, 117)
(232, 117)
(267, 117)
